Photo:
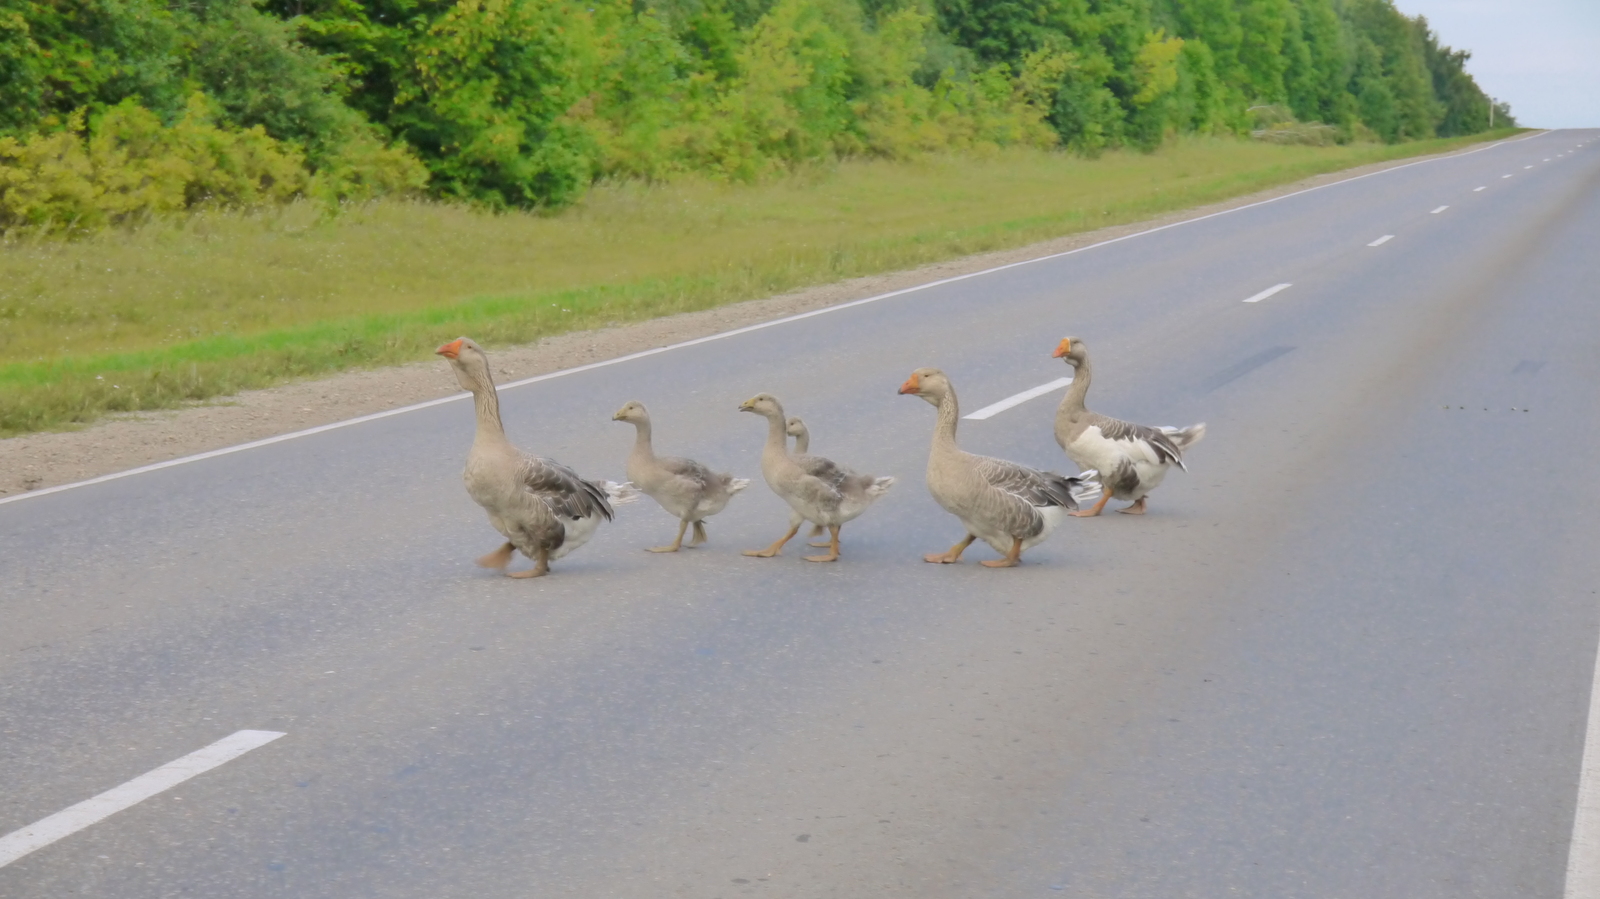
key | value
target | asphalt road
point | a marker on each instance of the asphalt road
(1349, 654)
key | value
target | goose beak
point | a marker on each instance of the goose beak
(747, 406)
(1062, 348)
(913, 384)
(616, 416)
(450, 350)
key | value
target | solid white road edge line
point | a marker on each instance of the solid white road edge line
(1439, 210)
(1583, 854)
(70, 820)
(1381, 241)
(994, 409)
(293, 435)
(1268, 292)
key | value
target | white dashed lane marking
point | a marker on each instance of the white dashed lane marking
(1439, 210)
(1268, 292)
(1018, 399)
(70, 820)
(1381, 241)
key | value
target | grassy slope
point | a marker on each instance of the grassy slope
(210, 305)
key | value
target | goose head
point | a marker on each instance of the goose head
(1071, 351)
(794, 427)
(928, 383)
(632, 412)
(468, 361)
(763, 404)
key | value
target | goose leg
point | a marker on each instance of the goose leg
(775, 548)
(818, 530)
(540, 568)
(1135, 509)
(682, 526)
(1105, 497)
(833, 546)
(1012, 559)
(954, 555)
(699, 534)
(498, 559)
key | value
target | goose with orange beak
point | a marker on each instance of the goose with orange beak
(542, 508)
(1132, 459)
(1009, 506)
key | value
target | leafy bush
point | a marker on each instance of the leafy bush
(127, 166)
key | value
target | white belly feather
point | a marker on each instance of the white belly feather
(578, 533)
(1092, 449)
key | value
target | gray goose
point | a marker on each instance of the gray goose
(796, 427)
(817, 490)
(540, 506)
(1009, 506)
(1132, 459)
(688, 490)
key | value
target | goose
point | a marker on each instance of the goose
(817, 490)
(796, 427)
(684, 487)
(539, 505)
(1132, 459)
(1009, 506)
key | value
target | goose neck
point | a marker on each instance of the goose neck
(486, 405)
(777, 436)
(641, 439)
(1079, 389)
(944, 431)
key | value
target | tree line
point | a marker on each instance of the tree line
(111, 109)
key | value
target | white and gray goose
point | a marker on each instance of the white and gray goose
(1132, 459)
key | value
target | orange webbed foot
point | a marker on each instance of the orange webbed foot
(498, 559)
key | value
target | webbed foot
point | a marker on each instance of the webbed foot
(498, 559)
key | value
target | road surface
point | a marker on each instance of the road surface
(1350, 653)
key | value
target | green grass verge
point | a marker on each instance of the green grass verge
(206, 306)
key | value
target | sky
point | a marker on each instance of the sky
(1541, 56)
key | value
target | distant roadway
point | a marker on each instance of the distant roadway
(1350, 653)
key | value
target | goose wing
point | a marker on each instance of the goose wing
(825, 470)
(689, 474)
(823, 481)
(1034, 487)
(1155, 442)
(560, 488)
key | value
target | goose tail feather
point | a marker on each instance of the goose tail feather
(621, 494)
(1085, 487)
(1186, 437)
